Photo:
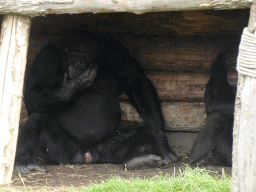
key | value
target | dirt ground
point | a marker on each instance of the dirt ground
(64, 177)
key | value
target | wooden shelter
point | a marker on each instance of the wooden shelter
(175, 42)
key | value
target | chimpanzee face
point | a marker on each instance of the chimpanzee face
(230, 61)
(79, 63)
(82, 58)
(232, 77)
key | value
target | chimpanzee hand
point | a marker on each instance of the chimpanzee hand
(85, 79)
(70, 87)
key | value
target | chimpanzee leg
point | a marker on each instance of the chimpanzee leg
(28, 145)
(141, 92)
(207, 137)
(222, 150)
(135, 147)
(42, 132)
(59, 148)
(144, 97)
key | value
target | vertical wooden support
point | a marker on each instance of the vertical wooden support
(13, 57)
(244, 136)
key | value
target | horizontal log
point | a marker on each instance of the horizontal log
(180, 54)
(43, 7)
(178, 116)
(157, 24)
(181, 140)
(177, 54)
(182, 63)
(178, 87)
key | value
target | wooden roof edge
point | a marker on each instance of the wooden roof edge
(44, 7)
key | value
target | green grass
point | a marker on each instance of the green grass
(186, 180)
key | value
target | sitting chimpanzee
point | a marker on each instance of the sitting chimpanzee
(72, 97)
(216, 137)
(133, 146)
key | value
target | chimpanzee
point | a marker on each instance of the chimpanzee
(72, 97)
(134, 147)
(216, 137)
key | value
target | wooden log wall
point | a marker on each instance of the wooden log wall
(175, 49)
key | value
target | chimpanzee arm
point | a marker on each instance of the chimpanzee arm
(219, 95)
(206, 137)
(46, 87)
(141, 93)
(219, 98)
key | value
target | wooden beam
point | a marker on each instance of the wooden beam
(179, 116)
(244, 132)
(13, 56)
(43, 7)
(186, 87)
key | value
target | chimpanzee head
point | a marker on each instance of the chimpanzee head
(82, 53)
(230, 60)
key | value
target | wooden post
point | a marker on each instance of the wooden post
(244, 136)
(13, 57)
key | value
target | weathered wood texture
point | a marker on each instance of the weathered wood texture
(179, 116)
(43, 7)
(188, 87)
(181, 54)
(13, 52)
(208, 22)
(244, 135)
(181, 140)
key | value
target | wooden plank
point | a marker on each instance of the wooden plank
(181, 140)
(178, 87)
(13, 52)
(244, 133)
(160, 24)
(180, 54)
(179, 116)
(175, 54)
(31, 7)
(244, 148)
(179, 45)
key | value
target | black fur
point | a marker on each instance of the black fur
(72, 97)
(217, 134)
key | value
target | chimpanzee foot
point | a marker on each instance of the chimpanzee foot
(146, 161)
(170, 157)
(203, 164)
(208, 166)
(26, 169)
